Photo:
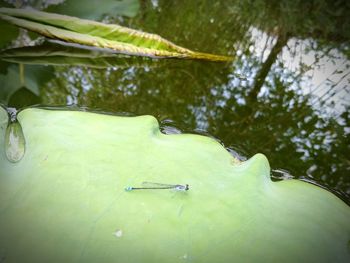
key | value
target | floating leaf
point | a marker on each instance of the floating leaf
(91, 33)
(7, 33)
(65, 201)
(62, 53)
(94, 9)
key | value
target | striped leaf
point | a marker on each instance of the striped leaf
(96, 34)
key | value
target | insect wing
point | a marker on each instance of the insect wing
(158, 185)
(182, 188)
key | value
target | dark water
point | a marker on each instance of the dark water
(286, 94)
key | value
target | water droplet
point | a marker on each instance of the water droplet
(14, 142)
(118, 233)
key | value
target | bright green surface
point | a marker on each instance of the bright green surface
(65, 200)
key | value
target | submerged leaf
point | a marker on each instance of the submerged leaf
(23, 97)
(34, 77)
(92, 33)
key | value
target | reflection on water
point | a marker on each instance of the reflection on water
(286, 94)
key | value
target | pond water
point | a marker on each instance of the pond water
(286, 93)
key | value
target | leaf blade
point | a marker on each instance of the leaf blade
(87, 32)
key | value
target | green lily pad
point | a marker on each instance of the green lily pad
(65, 200)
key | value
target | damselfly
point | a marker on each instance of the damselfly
(154, 186)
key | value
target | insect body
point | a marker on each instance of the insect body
(156, 186)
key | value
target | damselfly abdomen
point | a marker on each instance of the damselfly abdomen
(156, 186)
